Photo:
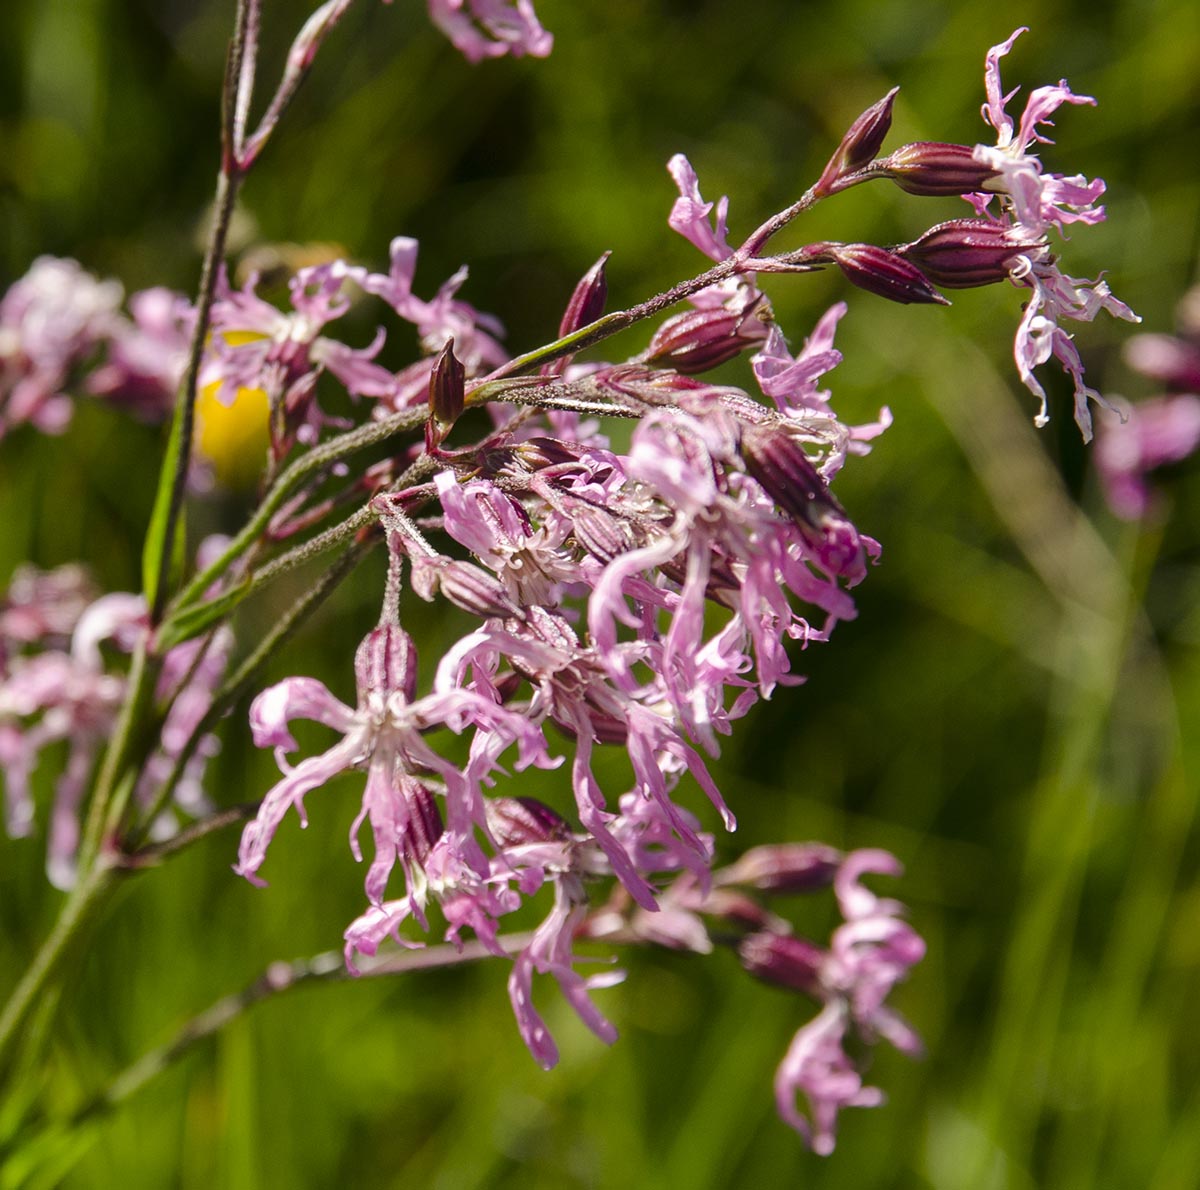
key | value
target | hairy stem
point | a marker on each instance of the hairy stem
(281, 977)
(80, 910)
(228, 182)
(315, 460)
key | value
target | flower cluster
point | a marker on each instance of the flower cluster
(58, 322)
(630, 595)
(638, 599)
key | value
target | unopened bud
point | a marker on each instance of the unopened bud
(517, 821)
(859, 145)
(447, 383)
(783, 959)
(424, 826)
(587, 302)
(883, 273)
(964, 253)
(784, 868)
(465, 585)
(736, 908)
(702, 339)
(386, 662)
(785, 473)
(931, 168)
(603, 535)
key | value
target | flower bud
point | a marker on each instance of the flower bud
(783, 959)
(386, 662)
(735, 908)
(859, 145)
(701, 339)
(784, 868)
(447, 383)
(931, 168)
(587, 302)
(964, 253)
(424, 826)
(603, 535)
(778, 462)
(884, 274)
(517, 821)
(465, 585)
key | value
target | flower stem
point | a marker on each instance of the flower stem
(319, 457)
(169, 502)
(81, 908)
(278, 978)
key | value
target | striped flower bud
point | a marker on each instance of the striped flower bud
(859, 145)
(783, 959)
(701, 339)
(884, 273)
(931, 168)
(784, 868)
(964, 253)
(517, 821)
(447, 383)
(778, 462)
(587, 302)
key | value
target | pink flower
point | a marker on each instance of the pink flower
(490, 28)
(64, 692)
(51, 321)
(1031, 203)
(1154, 434)
(146, 357)
(443, 318)
(254, 345)
(868, 955)
(384, 735)
(689, 215)
(1038, 200)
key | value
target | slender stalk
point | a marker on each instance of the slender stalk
(326, 968)
(81, 908)
(155, 853)
(319, 457)
(228, 182)
(745, 259)
(299, 62)
(143, 672)
(336, 535)
(758, 238)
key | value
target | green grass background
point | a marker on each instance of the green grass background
(1016, 713)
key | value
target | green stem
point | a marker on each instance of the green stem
(319, 457)
(229, 180)
(82, 906)
(114, 780)
(325, 968)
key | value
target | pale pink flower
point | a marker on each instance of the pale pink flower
(1032, 202)
(1151, 435)
(491, 28)
(868, 955)
(146, 357)
(255, 345)
(51, 322)
(384, 735)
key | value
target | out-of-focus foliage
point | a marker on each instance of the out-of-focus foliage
(1014, 714)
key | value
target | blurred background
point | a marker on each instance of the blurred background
(1015, 714)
